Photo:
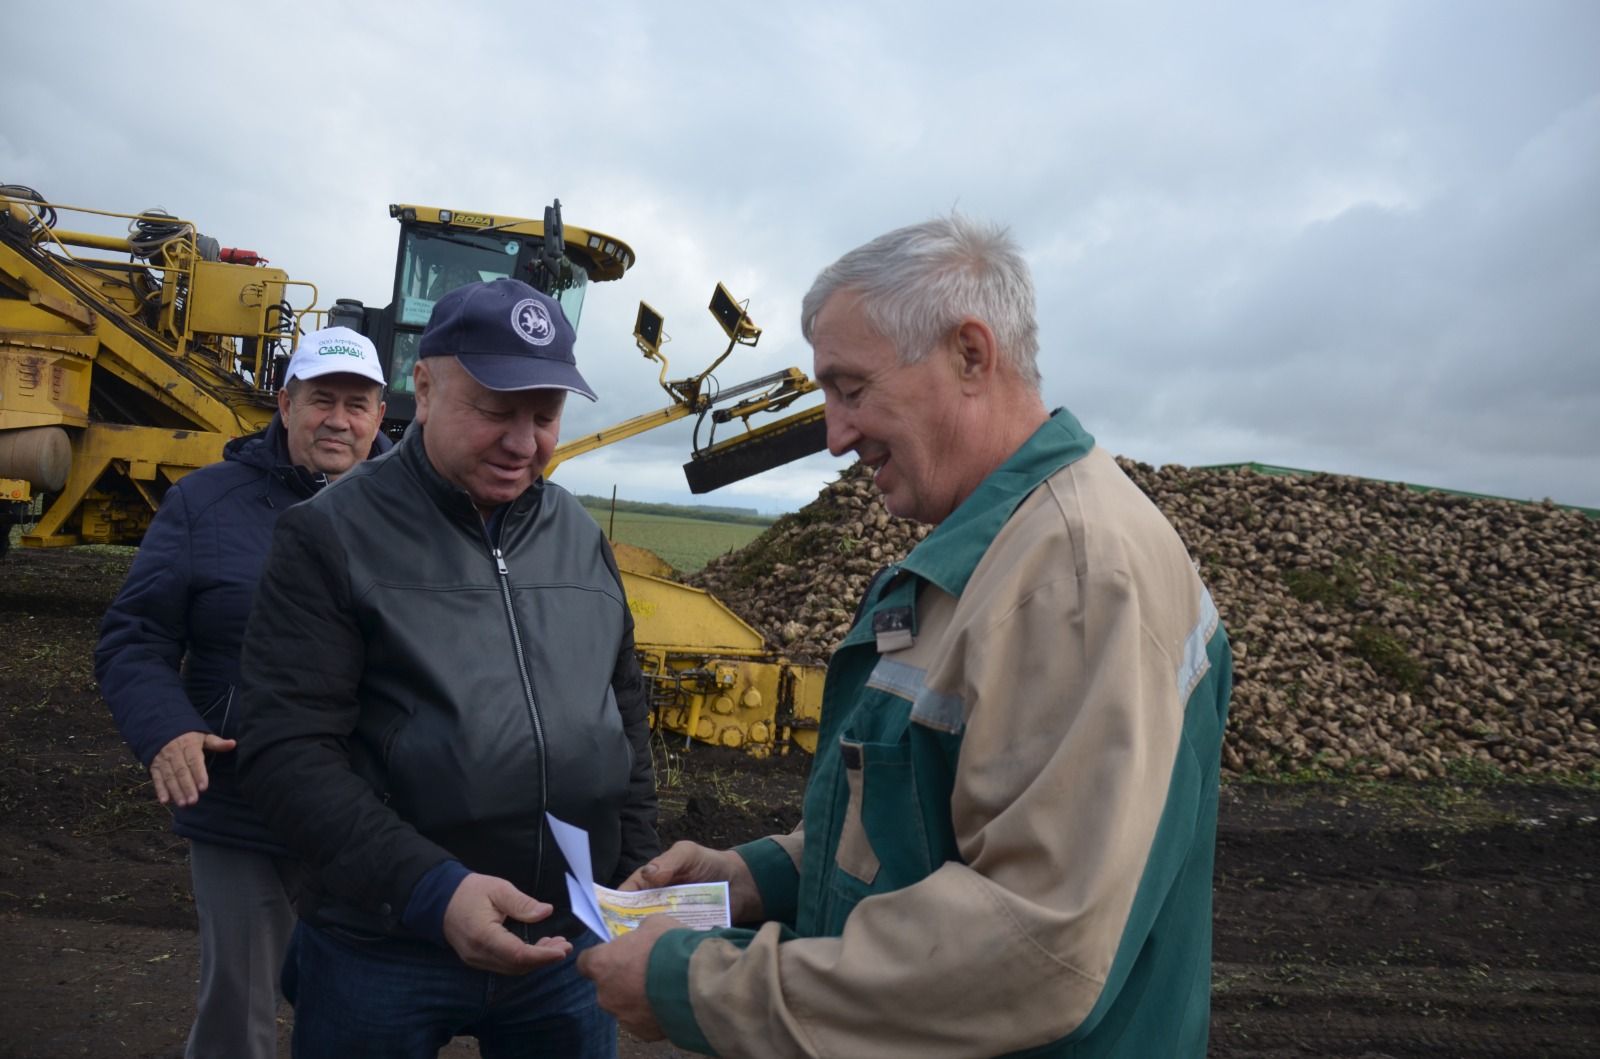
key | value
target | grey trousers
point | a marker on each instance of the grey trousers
(243, 900)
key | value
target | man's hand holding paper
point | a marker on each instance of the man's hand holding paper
(690, 862)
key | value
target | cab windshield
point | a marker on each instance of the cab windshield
(433, 263)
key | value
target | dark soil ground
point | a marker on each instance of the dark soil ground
(1367, 920)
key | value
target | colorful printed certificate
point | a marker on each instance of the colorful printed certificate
(612, 913)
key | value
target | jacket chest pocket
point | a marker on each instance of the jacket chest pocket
(883, 841)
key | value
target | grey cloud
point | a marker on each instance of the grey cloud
(1359, 237)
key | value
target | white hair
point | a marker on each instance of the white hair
(917, 283)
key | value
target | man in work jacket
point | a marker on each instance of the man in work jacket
(1008, 832)
(168, 666)
(466, 667)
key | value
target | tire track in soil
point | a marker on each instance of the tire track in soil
(1468, 932)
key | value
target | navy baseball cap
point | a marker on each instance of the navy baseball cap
(507, 335)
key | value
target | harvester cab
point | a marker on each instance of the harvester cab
(441, 249)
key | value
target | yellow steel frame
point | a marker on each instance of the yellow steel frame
(728, 686)
(59, 330)
(120, 351)
(144, 456)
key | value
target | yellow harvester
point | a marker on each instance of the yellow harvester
(129, 358)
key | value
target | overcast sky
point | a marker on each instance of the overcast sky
(1354, 237)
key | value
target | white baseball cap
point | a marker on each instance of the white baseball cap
(334, 350)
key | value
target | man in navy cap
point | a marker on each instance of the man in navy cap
(468, 670)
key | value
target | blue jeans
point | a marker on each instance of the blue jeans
(354, 1001)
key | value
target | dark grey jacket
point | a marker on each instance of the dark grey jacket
(415, 693)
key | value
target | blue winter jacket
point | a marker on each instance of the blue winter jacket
(168, 657)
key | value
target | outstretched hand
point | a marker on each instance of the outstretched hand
(474, 925)
(179, 768)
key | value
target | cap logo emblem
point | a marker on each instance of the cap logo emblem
(532, 322)
(338, 349)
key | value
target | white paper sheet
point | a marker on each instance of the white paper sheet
(574, 844)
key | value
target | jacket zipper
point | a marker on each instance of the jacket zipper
(533, 705)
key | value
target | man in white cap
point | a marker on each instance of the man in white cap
(331, 404)
(168, 666)
(469, 670)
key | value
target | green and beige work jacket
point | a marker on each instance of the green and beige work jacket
(1008, 832)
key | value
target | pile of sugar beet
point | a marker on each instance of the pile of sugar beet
(1376, 630)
